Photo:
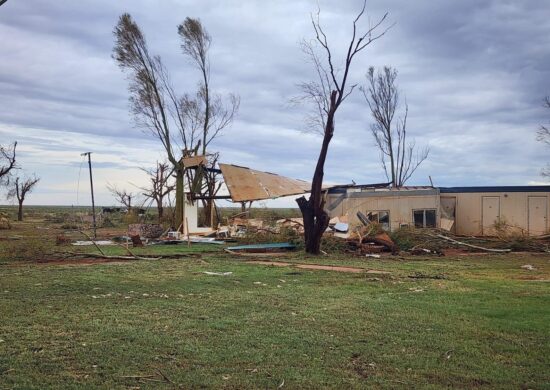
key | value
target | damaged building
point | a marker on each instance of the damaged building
(476, 211)
(468, 211)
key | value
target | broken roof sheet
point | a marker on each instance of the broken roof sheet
(247, 184)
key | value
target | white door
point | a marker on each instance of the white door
(490, 214)
(537, 215)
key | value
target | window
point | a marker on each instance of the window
(424, 218)
(380, 217)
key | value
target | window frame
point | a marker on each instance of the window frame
(378, 218)
(424, 218)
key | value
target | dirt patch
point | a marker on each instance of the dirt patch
(330, 268)
(274, 263)
(317, 267)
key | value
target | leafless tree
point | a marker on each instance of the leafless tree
(328, 93)
(181, 122)
(206, 111)
(122, 196)
(2, 2)
(543, 135)
(7, 161)
(19, 188)
(399, 158)
(159, 187)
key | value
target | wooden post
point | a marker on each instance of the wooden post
(212, 214)
(89, 154)
(183, 217)
(187, 228)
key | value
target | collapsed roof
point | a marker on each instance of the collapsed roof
(245, 184)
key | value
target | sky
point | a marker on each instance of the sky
(473, 73)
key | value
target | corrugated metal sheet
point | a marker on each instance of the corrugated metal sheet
(247, 184)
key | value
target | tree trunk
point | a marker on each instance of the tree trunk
(207, 207)
(20, 211)
(179, 197)
(315, 217)
(160, 211)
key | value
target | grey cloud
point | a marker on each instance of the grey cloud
(473, 74)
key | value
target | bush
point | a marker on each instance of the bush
(404, 238)
(4, 221)
(265, 237)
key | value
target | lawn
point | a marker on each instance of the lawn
(431, 322)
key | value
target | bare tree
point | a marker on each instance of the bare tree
(159, 187)
(399, 158)
(181, 122)
(2, 2)
(328, 93)
(19, 188)
(543, 135)
(122, 196)
(206, 110)
(7, 161)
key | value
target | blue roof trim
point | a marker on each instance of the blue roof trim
(452, 190)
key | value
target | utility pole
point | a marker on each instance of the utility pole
(89, 154)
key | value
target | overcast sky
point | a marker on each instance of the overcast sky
(474, 73)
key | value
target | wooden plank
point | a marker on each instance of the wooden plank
(193, 161)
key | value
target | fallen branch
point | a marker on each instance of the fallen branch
(95, 255)
(165, 377)
(472, 246)
(111, 257)
(93, 242)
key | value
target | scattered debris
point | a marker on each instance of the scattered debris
(420, 275)
(205, 240)
(262, 248)
(255, 254)
(145, 230)
(61, 239)
(112, 257)
(341, 227)
(364, 220)
(313, 267)
(446, 224)
(373, 255)
(173, 235)
(136, 241)
(472, 246)
(423, 251)
(528, 267)
(367, 241)
(218, 273)
(93, 242)
(378, 272)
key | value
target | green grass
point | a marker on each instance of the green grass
(486, 323)
(449, 322)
